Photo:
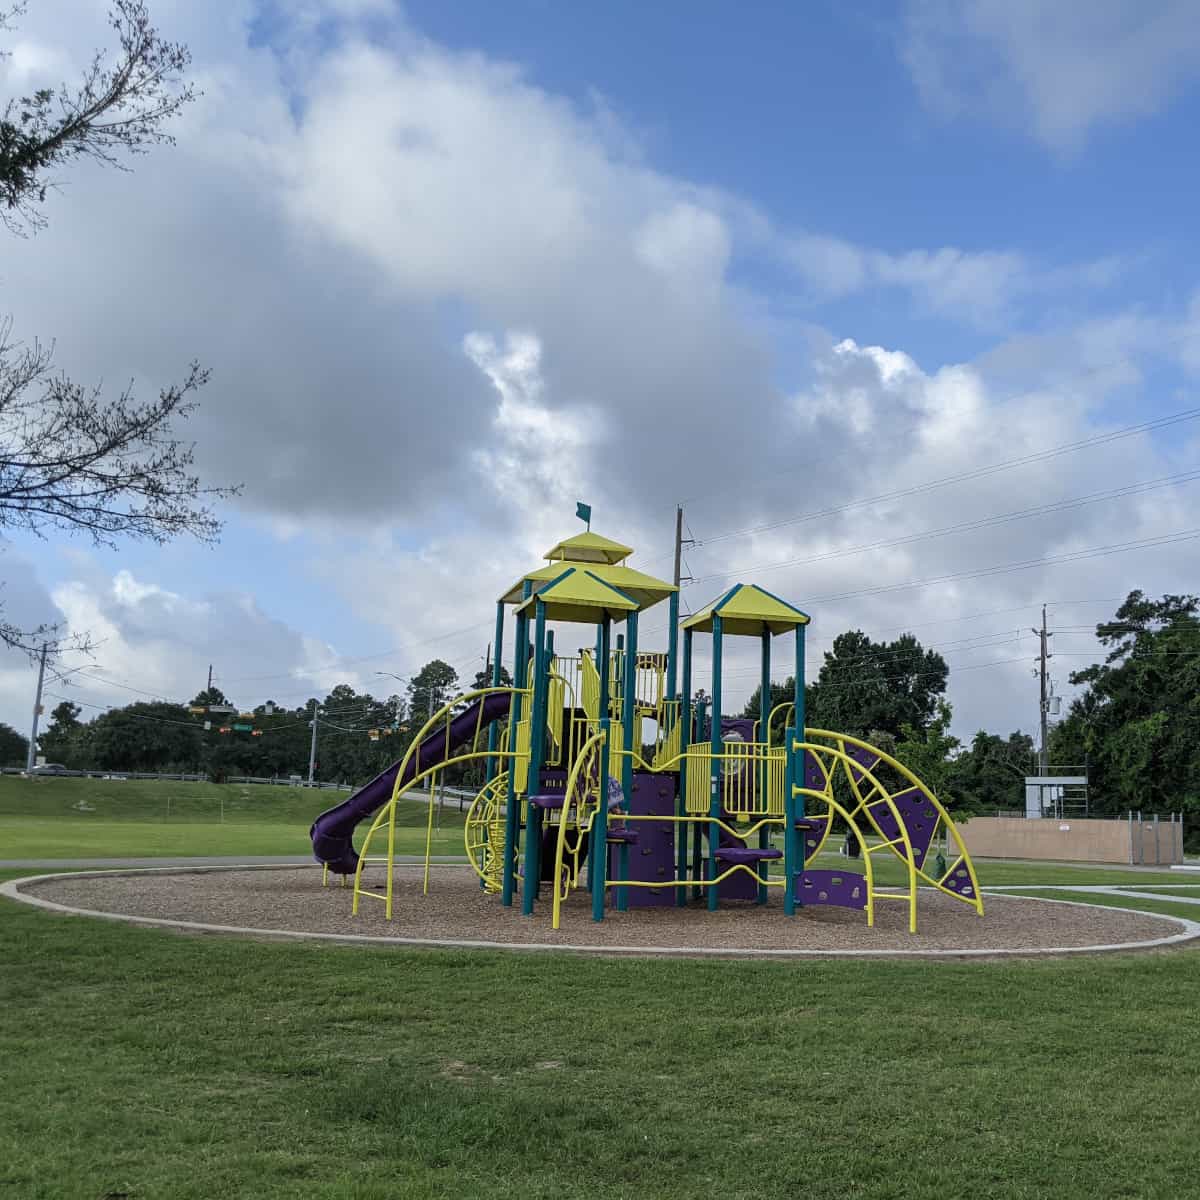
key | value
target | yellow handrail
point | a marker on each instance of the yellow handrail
(387, 811)
(944, 820)
(593, 747)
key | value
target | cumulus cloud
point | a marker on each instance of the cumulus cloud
(441, 304)
(1063, 69)
(154, 643)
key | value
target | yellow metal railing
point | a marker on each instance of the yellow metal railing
(669, 736)
(439, 724)
(583, 801)
(484, 833)
(746, 768)
(589, 685)
(877, 795)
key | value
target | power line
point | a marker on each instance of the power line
(1102, 439)
(969, 526)
(1167, 539)
(1027, 394)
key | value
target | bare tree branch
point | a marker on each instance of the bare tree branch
(72, 459)
(117, 108)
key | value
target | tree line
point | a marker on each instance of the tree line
(358, 734)
(1134, 726)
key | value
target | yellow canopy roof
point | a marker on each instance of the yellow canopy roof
(579, 594)
(589, 547)
(748, 609)
(644, 590)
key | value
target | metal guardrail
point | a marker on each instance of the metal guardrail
(177, 777)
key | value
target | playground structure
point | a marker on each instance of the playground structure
(710, 809)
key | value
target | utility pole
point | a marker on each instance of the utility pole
(673, 620)
(312, 752)
(487, 667)
(1044, 640)
(209, 689)
(31, 757)
(678, 541)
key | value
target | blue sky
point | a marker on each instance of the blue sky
(455, 266)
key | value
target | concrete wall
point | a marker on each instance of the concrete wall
(1072, 840)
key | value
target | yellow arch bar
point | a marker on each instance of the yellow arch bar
(963, 859)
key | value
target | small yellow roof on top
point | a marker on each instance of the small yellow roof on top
(579, 594)
(589, 547)
(748, 609)
(644, 589)
(602, 558)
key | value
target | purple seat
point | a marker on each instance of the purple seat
(623, 835)
(746, 854)
(813, 823)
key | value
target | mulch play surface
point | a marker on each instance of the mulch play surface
(456, 909)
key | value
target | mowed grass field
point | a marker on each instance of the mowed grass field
(143, 1064)
(100, 818)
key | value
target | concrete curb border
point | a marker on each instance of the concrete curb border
(11, 890)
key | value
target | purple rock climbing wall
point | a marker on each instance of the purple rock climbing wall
(960, 882)
(652, 858)
(814, 777)
(843, 889)
(919, 816)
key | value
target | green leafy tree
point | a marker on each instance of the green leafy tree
(14, 749)
(865, 685)
(1136, 725)
(147, 736)
(483, 679)
(989, 773)
(430, 688)
(930, 753)
(66, 739)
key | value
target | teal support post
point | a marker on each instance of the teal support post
(605, 667)
(794, 843)
(764, 736)
(714, 803)
(537, 751)
(790, 842)
(685, 740)
(698, 827)
(549, 666)
(512, 818)
(596, 857)
(798, 701)
(673, 645)
(493, 728)
(599, 847)
(632, 739)
(629, 708)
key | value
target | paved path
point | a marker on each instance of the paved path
(236, 860)
(1120, 890)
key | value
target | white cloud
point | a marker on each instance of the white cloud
(442, 304)
(1058, 70)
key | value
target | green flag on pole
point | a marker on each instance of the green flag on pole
(584, 512)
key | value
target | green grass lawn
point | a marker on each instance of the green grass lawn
(97, 818)
(144, 1064)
